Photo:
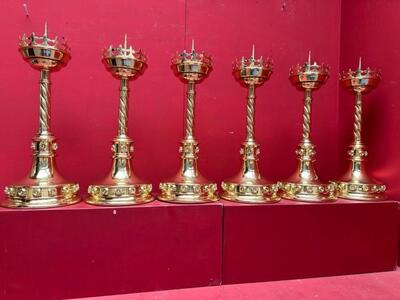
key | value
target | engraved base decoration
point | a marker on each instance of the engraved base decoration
(304, 185)
(40, 196)
(356, 184)
(123, 194)
(120, 187)
(188, 186)
(44, 188)
(248, 186)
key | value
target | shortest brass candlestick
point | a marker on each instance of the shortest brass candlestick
(356, 184)
(121, 186)
(248, 186)
(304, 184)
(189, 186)
(44, 187)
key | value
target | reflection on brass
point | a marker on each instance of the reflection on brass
(189, 186)
(304, 185)
(121, 186)
(356, 184)
(44, 187)
(248, 186)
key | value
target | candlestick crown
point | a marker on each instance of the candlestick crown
(309, 76)
(43, 52)
(253, 71)
(192, 66)
(124, 61)
(359, 80)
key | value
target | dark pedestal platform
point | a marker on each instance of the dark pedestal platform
(84, 250)
(299, 240)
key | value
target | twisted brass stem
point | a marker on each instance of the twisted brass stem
(357, 119)
(307, 116)
(123, 107)
(44, 104)
(250, 113)
(190, 95)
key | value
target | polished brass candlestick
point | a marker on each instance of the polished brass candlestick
(44, 187)
(248, 186)
(121, 186)
(304, 184)
(356, 184)
(189, 186)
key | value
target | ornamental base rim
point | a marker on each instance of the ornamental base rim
(250, 193)
(119, 195)
(40, 196)
(309, 192)
(195, 193)
(361, 191)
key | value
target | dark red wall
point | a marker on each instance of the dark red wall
(370, 29)
(85, 95)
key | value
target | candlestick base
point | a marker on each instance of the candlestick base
(254, 191)
(309, 192)
(119, 194)
(361, 191)
(182, 190)
(304, 184)
(38, 194)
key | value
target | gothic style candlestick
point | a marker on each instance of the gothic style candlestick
(356, 184)
(121, 187)
(189, 186)
(248, 185)
(304, 184)
(44, 187)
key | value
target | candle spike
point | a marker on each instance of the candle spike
(125, 40)
(309, 57)
(193, 45)
(253, 52)
(359, 63)
(45, 29)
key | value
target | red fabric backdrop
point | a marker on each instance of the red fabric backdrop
(85, 95)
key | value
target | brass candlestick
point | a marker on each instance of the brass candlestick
(121, 186)
(356, 184)
(189, 186)
(248, 186)
(44, 187)
(304, 184)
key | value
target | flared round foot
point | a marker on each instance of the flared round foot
(119, 195)
(309, 192)
(361, 191)
(40, 196)
(250, 193)
(182, 192)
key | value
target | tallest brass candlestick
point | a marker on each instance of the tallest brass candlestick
(356, 184)
(189, 186)
(44, 187)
